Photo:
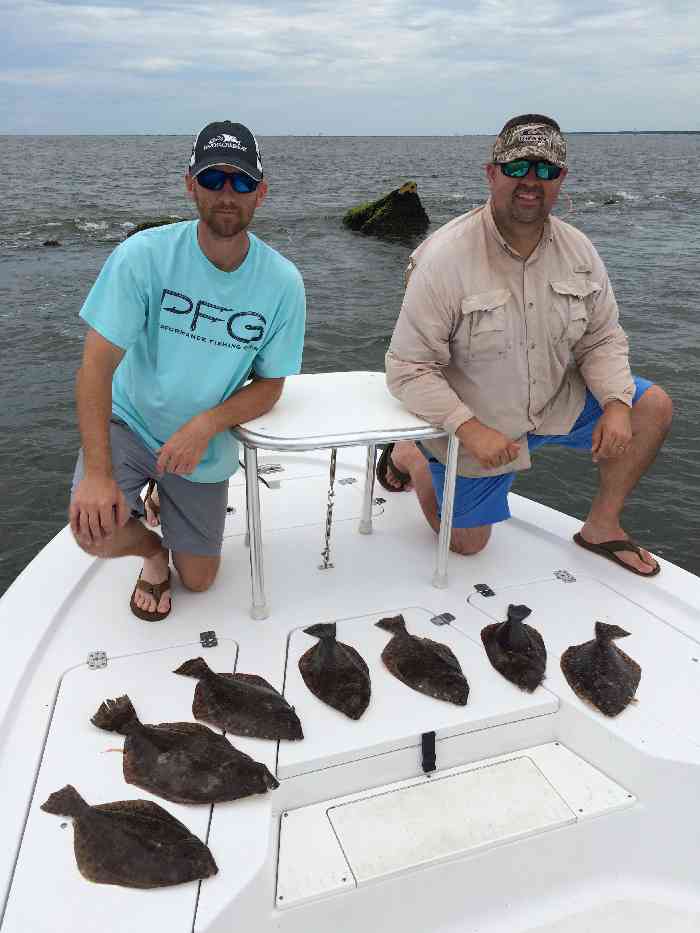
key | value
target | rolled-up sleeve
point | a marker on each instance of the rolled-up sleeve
(420, 351)
(602, 353)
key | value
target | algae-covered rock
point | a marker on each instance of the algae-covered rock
(398, 214)
(156, 222)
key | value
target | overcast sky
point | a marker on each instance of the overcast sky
(389, 67)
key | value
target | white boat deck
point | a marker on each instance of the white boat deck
(583, 823)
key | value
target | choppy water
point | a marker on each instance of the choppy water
(87, 192)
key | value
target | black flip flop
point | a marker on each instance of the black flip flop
(609, 549)
(385, 463)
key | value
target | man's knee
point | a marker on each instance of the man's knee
(657, 404)
(196, 574)
(94, 548)
(468, 541)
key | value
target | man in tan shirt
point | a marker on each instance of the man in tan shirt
(509, 338)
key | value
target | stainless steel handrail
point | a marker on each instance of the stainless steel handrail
(251, 442)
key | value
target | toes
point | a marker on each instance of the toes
(164, 603)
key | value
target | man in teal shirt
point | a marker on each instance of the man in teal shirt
(193, 327)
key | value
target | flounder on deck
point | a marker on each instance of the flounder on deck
(244, 704)
(335, 672)
(134, 843)
(182, 761)
(598, 672)
(516, 650)
(423, 664)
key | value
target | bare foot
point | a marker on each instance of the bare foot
(151, 504)
(155, 570)
(597, 534)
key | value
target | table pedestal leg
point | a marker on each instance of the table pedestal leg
(365, 527)
(258, 609)
(448, 499)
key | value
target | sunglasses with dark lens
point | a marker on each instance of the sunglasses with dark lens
(214, 179)
(519, 168)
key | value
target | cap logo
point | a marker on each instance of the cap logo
(225, 141)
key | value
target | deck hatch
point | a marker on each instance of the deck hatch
(328, 847)
(78, 753)
(397, 716)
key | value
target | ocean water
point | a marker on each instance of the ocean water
(633, 194)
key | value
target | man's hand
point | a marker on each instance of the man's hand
(185, 448)
(489, 447)
(612, 434)
(98, 508)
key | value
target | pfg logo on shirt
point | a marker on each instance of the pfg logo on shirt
(225, 141)
(245, 327)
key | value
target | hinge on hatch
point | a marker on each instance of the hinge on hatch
(208, 639)
(565, 576)
(443, 619)
(96, 660)
(484, 589)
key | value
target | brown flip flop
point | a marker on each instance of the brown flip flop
(153, 589)
(609, 549)
(384, 464)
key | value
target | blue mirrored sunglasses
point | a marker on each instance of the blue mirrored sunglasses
(214, 179)
(519, 168)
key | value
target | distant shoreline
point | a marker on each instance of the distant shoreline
(362, 135)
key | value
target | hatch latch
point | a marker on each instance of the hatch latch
(484, 589)
(428, 750)
(96, 660)
(565, 576)
(443, 619)
(208, 639)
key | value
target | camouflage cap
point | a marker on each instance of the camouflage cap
(530, 141)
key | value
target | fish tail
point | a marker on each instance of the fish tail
(322, 630)
(518, 613)
(195, 667)
(65, 802)
(605, 632)
(394, 624)
(116, 715)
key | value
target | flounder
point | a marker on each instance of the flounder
(244, 704)
(335, 672)
(597, 671)
(182, 761)
(516, 650)
(423, 664)
(134, 843)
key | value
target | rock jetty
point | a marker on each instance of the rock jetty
(398, 214)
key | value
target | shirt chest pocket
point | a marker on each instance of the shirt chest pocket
(568, 317)
(482, 335)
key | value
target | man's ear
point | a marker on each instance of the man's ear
(261, 192)
(189, 185)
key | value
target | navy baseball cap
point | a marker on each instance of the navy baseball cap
(226, 143)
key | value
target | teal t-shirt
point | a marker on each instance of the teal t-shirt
(192, 333)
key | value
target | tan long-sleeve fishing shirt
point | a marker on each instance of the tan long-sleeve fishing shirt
(483, 333)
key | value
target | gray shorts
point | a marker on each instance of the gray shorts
(192, 515)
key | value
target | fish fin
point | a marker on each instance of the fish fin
(195, 667)
(65, 802)
(394, 624)
(115, 715)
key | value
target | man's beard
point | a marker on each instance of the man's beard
(225, 223)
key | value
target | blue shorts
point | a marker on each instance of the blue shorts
(483, 500)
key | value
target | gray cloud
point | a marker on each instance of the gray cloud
(395, 66)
